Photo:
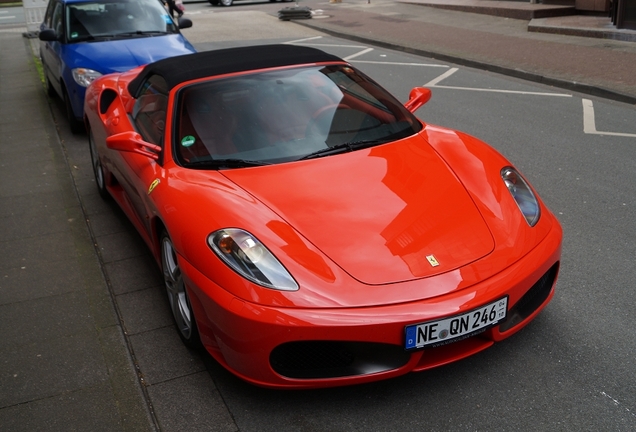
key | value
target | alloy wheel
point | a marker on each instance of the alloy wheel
(175, 288)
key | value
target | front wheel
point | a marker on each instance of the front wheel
(177, 294)
(75, 125)
(49, 87)
(98, 171)
(227, 2)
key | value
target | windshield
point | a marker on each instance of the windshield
(285, 115)
(116, 19)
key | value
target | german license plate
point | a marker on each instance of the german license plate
(444, 331)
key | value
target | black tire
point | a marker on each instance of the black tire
(177, 295)
(50, 91)
(98, 170)
(214, 2)
(75, 125)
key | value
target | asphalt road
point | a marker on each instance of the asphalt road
(11, 15)
(572, 369)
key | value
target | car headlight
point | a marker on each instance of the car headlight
(251, 259)
(85, 76)
(521, 192)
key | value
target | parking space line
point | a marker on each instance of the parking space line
(364, 51)
(441, 77)
(589, 122)
(502, 91)
(297, 41)
(433, 84)
(304, 40)
(401, 64)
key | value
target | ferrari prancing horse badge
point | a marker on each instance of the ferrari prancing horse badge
(432, 260)
(153, 185)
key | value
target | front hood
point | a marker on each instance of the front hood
(124, 54)
(388, 214)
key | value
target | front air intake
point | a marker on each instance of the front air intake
(531, 300)
(333, 359)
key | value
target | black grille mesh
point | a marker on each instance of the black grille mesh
(312, 355)
(329, 359)
(531, 300)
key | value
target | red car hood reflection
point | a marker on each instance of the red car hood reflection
(391, 213)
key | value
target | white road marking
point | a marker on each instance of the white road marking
(401, 64)
(13, 30)
(589, 122)
(313, 38)
(324, 45)
(441, 77)
(364, 51)
(433, 84)
(297, 41)
(503, 91)
(332, 45)
(616, 403)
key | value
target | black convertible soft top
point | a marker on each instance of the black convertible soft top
(176, 70)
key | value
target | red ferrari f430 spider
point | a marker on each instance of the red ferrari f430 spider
(311, 230)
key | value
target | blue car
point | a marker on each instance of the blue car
(84, 39)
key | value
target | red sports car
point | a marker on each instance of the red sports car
(312, 231)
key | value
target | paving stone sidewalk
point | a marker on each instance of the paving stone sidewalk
(64, 364)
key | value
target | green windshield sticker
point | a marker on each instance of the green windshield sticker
(187, 141)
(74, 35)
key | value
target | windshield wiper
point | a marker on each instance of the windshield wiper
(343, 148)
(141, 33)
(131, 34)
(86, 38)
(225, 163)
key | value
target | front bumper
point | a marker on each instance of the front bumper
(305, 348)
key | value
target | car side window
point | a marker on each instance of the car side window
(49, 13)
(56, 20)
(149, 112)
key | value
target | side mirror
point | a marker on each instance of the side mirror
(47, 35)
(184, 23)
(133, 142)
(418, 97)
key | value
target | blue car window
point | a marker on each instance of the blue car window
(56, 20)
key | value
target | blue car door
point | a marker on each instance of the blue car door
(50, 50)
